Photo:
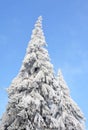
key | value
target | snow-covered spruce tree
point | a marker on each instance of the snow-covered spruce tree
(33, 102)
(36, 98)
(71, 117)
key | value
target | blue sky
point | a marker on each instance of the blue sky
(65, 25)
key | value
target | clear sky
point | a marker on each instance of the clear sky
(65, 25)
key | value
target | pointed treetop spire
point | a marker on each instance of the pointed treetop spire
(59, 72)
(60, 75)
(37, 37)
(62, 82)
(40, 18)
(39, 22)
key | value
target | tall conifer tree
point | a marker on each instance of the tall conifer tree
(71, 117)
(34, 103)
(32, 94)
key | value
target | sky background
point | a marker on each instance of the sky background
(65, 25)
